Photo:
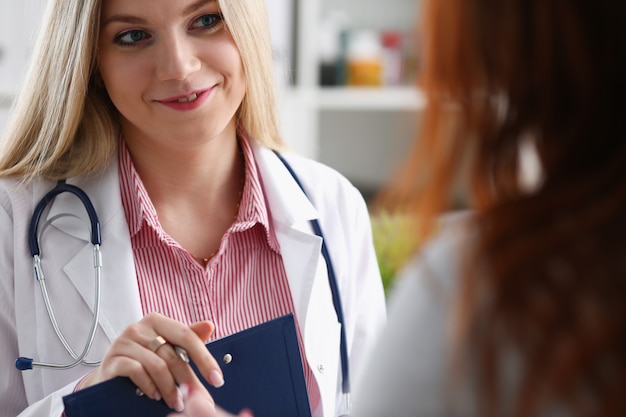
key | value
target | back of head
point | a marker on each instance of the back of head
(546, 276)
(550, 70)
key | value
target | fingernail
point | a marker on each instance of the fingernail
(216, 379)
(157, 396)
(179, 404)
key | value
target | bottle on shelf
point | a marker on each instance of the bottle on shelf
(364, 59)
(331, 48)
(393, 57)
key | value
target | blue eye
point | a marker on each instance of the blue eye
(131, 37)
(207, 21)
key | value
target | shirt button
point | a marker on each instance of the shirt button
(321, 368)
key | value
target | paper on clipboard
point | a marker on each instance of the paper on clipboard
(262, 371)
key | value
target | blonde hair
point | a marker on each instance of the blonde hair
(258, 115)
(63, 123)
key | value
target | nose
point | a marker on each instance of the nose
(177, 58)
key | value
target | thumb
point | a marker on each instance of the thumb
(204, 329)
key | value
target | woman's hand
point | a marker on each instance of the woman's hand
(154, 366)
(198, 405)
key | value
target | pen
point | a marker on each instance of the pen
(182, 354)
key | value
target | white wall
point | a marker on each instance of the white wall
(18, 23)
(375, 14)
(366, 145)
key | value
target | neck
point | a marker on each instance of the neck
(175, 169)
(196, 191)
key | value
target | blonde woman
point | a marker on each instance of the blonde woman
(164, 114)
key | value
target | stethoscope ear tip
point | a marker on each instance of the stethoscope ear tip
(23, 363)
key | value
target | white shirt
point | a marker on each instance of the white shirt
(407, 370)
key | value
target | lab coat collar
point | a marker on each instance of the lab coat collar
(103, 190)
(289, 205)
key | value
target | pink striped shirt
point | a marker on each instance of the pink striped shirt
(243, 285)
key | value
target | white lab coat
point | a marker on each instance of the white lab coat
(25, 328)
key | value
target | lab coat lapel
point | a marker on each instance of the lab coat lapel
(291, 212)
(120, 303)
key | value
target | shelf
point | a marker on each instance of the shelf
(340, 98)
(375, 99)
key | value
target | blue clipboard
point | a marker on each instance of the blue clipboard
(262, 368)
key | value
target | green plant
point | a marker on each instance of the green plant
(395, 240)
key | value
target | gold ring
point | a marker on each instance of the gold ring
(156, 343)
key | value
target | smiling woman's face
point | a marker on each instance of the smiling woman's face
(171, 68)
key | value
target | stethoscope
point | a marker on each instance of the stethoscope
(346, 406)
(23, 363)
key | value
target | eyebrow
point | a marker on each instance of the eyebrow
(197, 5)
(136, 20)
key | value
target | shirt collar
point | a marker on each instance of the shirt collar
(133, 193)
(253, 208)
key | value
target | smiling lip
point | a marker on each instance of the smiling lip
(187, 102)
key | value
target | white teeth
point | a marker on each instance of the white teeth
(188, 99)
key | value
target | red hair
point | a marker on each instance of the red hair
(548, 280)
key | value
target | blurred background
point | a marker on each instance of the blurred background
(345, 69)
(350, 100)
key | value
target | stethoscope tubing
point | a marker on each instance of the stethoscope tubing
(63, 187)
(24, 363)
(92, 330)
